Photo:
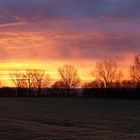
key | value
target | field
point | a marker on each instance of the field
(69, 119)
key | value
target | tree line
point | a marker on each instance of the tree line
(107, 74)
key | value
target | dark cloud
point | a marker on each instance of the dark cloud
(7, 20)
(70, 8)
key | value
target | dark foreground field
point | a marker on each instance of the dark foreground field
(69, 119)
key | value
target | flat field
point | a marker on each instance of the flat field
(69, 119)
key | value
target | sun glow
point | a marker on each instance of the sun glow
(50, 67)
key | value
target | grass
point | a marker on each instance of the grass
(69, 118)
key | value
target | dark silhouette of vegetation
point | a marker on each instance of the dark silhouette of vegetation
(18, 78)
(107, 83)
(124, 93)
(41, 80)
(69, 79)
(93, 84)
(29, 80)
(135, 70)
(106, 73)
(7, 91)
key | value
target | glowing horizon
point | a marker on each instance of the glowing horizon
(83, 71)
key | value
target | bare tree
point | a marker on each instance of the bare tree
(107, 72)
(41, 79)
(30, 79)
(18, 79)
(69, 77)
(23, 79)
(135, 69)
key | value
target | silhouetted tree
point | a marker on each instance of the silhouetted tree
(93, 84)
(58, 88)
(69, 78)
(135, 70)
(41, 80)
(107, 72)
(19, 79)
(58, 84)
(128, 84)
(30, 79)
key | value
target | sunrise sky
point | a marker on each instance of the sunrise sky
(49, 33)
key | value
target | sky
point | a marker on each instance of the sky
(46, 34)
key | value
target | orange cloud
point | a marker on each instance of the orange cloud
(50, 43)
